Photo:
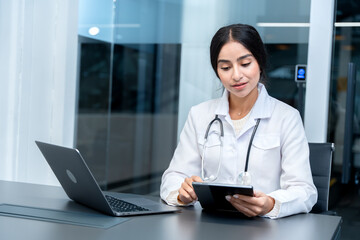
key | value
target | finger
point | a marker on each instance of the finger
(184, 196)
(188, 181)
(246, 207)
(243, 208)
(263, 202)
(259, 194)
(248, 199)
(259, 205)
(196, 179)
(189, 189)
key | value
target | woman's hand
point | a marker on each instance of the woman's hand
(186, 191)
(258, 205)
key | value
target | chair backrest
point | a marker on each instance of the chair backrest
(320, 162)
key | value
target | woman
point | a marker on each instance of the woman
(279, 160)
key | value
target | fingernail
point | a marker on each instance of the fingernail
(236, 196)
(228, 198)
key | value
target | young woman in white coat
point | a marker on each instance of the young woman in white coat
(278, 165)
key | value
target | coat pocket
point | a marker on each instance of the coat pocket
(266, 142)
(265, 153)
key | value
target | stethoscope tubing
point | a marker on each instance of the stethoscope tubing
(217, 119)
(250, 144)
(211, 123)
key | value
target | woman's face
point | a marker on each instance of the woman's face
(238, 70)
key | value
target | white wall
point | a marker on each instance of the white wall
(319, 70)
(38, 47)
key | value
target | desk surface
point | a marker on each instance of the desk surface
(190, 223)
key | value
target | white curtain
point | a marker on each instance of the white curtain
(38, 58)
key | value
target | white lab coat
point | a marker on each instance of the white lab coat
(279, 157)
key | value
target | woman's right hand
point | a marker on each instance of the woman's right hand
(186, 191)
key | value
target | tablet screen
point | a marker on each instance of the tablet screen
(212, 195)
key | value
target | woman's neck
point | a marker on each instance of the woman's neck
(240, 107)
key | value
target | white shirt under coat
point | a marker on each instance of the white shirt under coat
(279, 157)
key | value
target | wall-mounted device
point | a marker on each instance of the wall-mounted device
(300, 79)
(300, 73)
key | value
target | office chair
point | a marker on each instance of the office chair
(320, 162)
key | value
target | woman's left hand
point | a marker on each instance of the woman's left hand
(258, 205)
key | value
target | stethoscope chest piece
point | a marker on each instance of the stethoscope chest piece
(244, 178)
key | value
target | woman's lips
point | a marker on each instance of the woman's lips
(239, 86)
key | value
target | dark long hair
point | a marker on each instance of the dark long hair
(245, 35)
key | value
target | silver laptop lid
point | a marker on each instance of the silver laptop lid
(74, 176)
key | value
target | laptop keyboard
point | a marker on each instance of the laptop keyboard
(123, 206)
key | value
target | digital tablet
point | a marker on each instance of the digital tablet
(212, 195)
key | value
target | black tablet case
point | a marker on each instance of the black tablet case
(212, 195)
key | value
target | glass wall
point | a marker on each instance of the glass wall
(128, 91)
(344, 117)
(346, 168)
(143, 64)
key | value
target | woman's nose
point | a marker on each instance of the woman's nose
(237, 74)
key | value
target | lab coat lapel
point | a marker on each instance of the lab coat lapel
(223, 106)
(222, 110)
(250, 123)
(262, 109)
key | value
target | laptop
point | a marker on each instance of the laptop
(80, 185)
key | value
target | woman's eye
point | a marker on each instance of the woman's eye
(245, 64)
(225, 68)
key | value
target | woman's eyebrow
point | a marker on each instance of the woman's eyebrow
(245, 56)
(240, 58)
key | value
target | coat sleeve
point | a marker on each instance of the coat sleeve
(186, 161)
(297, 193)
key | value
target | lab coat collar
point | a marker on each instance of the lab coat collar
(264, 105)
(223, 106)
(262, 108)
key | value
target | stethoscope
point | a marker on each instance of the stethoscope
(244, 177)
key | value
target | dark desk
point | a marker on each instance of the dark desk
(189, 224)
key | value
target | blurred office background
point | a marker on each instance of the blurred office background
(143, 64)
(116, 79)
(147, 63)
